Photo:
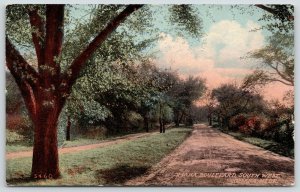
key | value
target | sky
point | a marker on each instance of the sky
(228, 36)
(216, 56)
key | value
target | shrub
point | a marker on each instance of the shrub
(279, 131)
(245, 129)
(253, 125)
(20, 124)
(237, 121)
(284, 134)
(13, 122)
(270, 130)
(135, 120)
(13, 137)
(95, 132)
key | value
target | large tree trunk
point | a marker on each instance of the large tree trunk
(45, 162)
(45, 153)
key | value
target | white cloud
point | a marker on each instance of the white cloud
(177, 54)
(236, 41)
(218, 59)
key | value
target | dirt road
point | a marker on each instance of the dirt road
(14, 155)
(211, 158)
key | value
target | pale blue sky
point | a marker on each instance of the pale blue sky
(215, 56)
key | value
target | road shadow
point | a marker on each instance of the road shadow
(254, 163)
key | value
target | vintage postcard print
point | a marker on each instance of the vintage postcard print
(150, 95)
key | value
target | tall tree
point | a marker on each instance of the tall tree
(45, 86)
(45, 91)
(209, 105)
(233, 100)
(276, 61)
(183, 94)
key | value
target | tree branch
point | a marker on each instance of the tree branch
(29, 99)
(53, 43)
(281, 81)
(38, 33)
(272, 11)
(19, 67)
(25, 76)
(72, 72)
(283, 76)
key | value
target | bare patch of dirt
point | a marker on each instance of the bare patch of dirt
(211, 158)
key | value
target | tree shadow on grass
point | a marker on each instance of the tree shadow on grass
(120, 174)
(19, 181)
(281, 150)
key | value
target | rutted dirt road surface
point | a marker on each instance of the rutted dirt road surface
(211, 158)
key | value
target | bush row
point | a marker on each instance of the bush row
(279, 130)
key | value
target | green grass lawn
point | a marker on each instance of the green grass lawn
(81, 141)
(263, 143)
(17, 147)
(266, 144)
(112, 165)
